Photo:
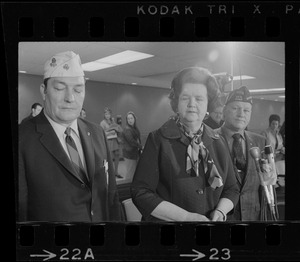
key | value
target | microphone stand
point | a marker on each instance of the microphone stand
(270, 156)
(268, 189)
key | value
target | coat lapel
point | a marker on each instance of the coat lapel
(209, 135)
(170, 130)
(51, 142)
(88, 148)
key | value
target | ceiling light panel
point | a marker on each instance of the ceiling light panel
(268, 90)
(93, 66)
(125, 57)
(243, 77)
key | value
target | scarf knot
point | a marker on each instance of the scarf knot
(197, 153)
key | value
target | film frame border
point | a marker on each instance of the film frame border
(286, 30)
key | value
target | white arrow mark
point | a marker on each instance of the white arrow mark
(197, 256)
(48, 256)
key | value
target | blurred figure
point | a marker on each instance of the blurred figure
(215, 118)
(65, 169)
(132, 145)
(120, 136)
(185, 172)
(111, 129)
(119, 120)
(83, 113)
(36, 108)
(276, 140)
(274, 137)
(282, 132)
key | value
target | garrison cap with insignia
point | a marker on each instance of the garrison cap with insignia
(65, 64)
(241, 94)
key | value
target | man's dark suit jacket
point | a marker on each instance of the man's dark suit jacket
(50, 190)
(249, 206)
(26, 118)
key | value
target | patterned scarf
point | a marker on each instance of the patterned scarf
(197, 152)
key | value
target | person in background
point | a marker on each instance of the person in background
(215, 117)
(185, 172)
(282, 132)
(132, 145)
(120, 136)
(36, 108)
(274, 137)
(111, 130)
(237, 115)
(65, 169)
(83, 113)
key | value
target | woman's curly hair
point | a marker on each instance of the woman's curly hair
(274, 118)
(194, 75)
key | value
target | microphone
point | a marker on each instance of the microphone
(270, 156)
(255, 154)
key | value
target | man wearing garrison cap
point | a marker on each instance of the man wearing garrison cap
(237, 114)
(65, 169)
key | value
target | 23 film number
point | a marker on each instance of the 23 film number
(225, 254)
(76, 254)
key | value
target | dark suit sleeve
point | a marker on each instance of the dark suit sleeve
(128, 136)
(231, 189)
(146, 177)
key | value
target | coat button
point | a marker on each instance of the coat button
(82, 185)
(199, 191)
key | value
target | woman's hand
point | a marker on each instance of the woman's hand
(170, 212)
(216, 215)
(196, 217)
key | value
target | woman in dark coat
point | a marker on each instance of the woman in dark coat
(131, 145)
(185, 172)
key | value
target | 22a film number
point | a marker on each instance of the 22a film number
(75, 254)
(224, 254)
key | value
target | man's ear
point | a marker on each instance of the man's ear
(43, 90)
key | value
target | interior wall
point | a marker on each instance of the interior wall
(151, 105)
(28, 94)
(261, 110)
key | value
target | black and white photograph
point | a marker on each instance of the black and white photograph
(151, 132)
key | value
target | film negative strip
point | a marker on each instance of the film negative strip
(34, 24)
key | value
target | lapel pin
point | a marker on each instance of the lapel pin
(88, 133)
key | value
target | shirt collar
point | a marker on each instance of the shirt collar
(229, 133)
(60, 129)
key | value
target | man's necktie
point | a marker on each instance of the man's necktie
(238, 155)
(74, 155)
